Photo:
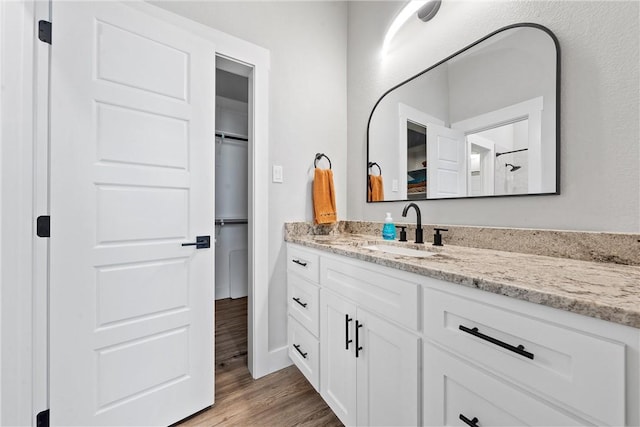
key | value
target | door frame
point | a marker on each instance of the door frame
(23, 196)
(407, 113)
(531, 110)
(24, 144)
(487, 160)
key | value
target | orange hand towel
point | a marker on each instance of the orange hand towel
(324, 197)
(375, 191)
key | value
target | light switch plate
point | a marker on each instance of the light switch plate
(277, 173)
(394, 185)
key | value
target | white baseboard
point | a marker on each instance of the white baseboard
(278, 359)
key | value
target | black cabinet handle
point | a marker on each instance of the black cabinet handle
(358, 346)
(519, 349)
(304, 304)
(470, 423)
(347, 319)
(297, 347)
(297, 261)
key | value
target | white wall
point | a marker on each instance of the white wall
(308, 101)
(510, 71)
(600, 154)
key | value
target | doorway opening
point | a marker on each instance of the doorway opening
(489, 173)
(416, 161)
(232, 198)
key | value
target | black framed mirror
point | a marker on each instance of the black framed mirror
(484, 122)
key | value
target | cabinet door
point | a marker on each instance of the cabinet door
(388, 373)
(454, 389)
(338, 361)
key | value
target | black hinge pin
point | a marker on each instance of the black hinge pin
(43, 226)
(44, 31)
(42, 419)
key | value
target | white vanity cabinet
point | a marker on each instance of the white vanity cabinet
(369, 366)
(303, 303)
(370, 346)
(437, 353)
(457, 393)
(369, 341)
(501, 359)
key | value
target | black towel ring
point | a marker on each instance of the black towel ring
(320, 156)
(372, 164)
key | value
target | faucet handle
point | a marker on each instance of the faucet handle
(437, 238)
(403, 233)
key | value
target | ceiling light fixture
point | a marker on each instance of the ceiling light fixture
(410, 8)
(429, 10)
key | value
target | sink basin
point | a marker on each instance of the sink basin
(397, 250)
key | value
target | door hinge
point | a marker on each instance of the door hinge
(44, 31)
(43, 226)
(42, 419)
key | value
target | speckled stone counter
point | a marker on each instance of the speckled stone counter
(606, 291)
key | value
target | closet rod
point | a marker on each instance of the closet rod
(230, 221)
(238, 138)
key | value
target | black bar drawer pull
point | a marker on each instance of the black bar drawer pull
(519, 349)
(297, 347)
(297, 261)
(347, 319)
(467, 421)
(304, 304)
(358, 346)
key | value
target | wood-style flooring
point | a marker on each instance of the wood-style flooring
(283, 398)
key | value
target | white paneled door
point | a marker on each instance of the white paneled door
(446, 167)
(132, 125)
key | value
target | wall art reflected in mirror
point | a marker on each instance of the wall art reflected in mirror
(482, 123)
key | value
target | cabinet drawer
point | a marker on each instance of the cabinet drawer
(304, 351)
(382, 290)
(453, 388)
(575, 368)
(303, 301)
(303, 262)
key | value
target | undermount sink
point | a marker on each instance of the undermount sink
(397, 250)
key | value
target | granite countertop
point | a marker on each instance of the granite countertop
(602, 290)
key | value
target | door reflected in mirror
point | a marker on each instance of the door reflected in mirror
(484, 122)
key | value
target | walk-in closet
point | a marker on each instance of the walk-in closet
(231, 215)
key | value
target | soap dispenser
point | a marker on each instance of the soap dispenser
(388, 229)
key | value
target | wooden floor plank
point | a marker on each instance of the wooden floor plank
(283, 398)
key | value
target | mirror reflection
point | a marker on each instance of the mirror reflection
(481, 123)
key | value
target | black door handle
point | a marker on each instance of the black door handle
(202, 242)
(519, 349)
(470, 423)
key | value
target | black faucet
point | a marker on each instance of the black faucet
(419, 238)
